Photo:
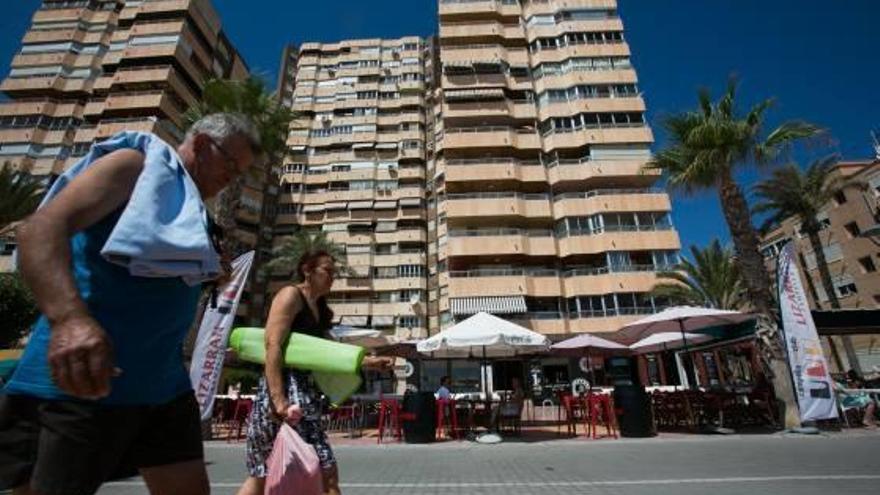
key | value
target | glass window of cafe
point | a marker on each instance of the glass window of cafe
(464, 375)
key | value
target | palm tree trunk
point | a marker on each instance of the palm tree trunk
(757, 281)
(745, 240)
(811, 227)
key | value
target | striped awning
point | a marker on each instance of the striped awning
(474, 94)
(385, 205)
(410, 201)
(499, 305)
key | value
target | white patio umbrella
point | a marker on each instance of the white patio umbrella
(667, 340)
(681, 319)
(586, 343)
(483, 335)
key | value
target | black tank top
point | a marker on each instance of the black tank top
(304, 322)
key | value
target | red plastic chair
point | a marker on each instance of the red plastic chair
(390, 414)
(447, 419)
(240, 416)
(601, 406)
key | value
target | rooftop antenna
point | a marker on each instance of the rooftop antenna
(876, 142)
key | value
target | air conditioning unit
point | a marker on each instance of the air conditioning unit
(325, 121)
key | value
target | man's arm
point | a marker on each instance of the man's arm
(80, 355)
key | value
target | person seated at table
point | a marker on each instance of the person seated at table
(851, 397)
(511, 405)
(443, 392)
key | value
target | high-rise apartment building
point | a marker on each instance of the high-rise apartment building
(88, 69)
(849, 238)
(356, 171)
(542, 212)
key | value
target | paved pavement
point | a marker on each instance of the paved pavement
(762, 464)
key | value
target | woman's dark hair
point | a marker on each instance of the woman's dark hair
(308, 261)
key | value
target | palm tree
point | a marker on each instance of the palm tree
(791, 192)
(707, 146)
(250, 98)
(712, 279)
(288, 251)
(20, 194)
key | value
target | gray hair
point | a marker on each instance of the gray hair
(221, 126)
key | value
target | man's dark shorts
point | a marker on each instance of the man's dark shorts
(70, 448)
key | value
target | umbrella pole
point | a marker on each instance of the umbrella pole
(687, 402)
(687, 354)
(592, 373)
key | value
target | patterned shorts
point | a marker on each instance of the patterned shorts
(263, 427)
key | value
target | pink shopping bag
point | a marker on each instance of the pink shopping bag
(293, 467)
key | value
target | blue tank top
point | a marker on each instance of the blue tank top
(146, 319)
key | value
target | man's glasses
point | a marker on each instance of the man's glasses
(231, 165)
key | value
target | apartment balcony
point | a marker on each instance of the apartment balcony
(176, 26)
(399, 283)
(400, 258)
(556, 30)
(363, 308)
(610, 200)
(109, 127)
(136, 100)
(492, 169)
(594, 77)
(488, 137)
(56, 58)
(635, 134)
(545, 323)
(519, 109)
(154, 51)
(393, 308)
(477, 8)
(412, 153)
(411, 173)
(473, 80)
(42, 85)
(631, 240)
(598, 281)
(501, 241)
(406, 235)
(486, 30)
(165, 6)
(37, 106)
(624, 169)
(23, 135)
(352, 284)
(487, 53)
(476, 205)
(58, 15)
(59, 36)
(505, 282)
(584, 50)
(586, 105)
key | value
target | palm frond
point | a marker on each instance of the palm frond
(20, 194)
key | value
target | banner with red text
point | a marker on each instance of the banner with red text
(809, 369)
(210, 347)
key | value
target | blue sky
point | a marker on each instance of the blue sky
(819, 59)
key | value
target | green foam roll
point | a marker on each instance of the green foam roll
(335, 366)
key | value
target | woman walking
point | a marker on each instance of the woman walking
(294, 397)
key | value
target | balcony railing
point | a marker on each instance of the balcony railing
(551, 272)
(559, 235)
(605, 192)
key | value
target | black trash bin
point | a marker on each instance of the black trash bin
(633, 407)
(419, 424)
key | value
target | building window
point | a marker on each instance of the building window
(847, 289)
(867, 264)
(852, 229)
(840, 197)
